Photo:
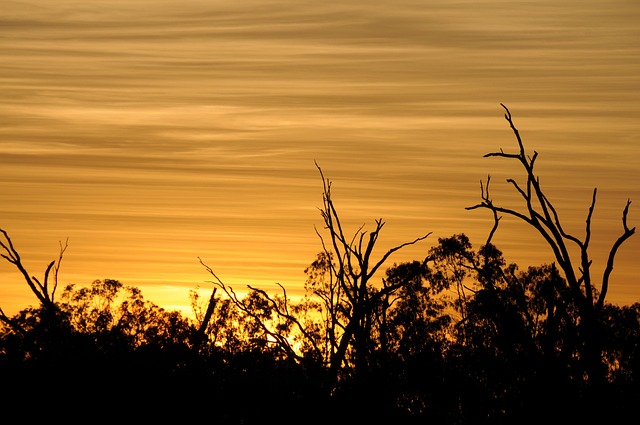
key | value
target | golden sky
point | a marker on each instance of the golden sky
(153, 132)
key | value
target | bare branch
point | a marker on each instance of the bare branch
(394, 249)
(56, 270)
(353, 273)
(282, 312)
(628, 232)
(289, 317)
(502, 154)
(13, 257)
(544, 218)
(211, 272)
(514, 129)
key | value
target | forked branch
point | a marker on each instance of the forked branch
(542, 215)
(44, 291)
(628, 232)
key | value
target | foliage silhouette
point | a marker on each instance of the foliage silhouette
(582, 292)
(458, 337)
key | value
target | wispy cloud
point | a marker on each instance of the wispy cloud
(201, 120)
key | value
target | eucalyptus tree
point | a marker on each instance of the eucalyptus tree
(342, 289)
(352, 272)
(584, 291)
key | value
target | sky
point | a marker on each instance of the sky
(152, 134)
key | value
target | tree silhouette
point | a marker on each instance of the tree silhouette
(540, 213)
(341, 283)
(352, 270)
(459, 336)
(44, 291)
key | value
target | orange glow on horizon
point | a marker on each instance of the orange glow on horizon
(154, 133)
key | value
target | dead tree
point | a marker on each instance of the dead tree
(539, 212)
(45, 290)
(200, 334)
(352, 271)
(348, 301)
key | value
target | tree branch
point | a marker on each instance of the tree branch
(628, 232)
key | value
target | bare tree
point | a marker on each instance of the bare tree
(347, 298)
(45, 290)
(352, 272)
(540, 213)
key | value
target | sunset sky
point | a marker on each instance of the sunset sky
(153, 132)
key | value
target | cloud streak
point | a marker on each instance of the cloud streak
(201, 120)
